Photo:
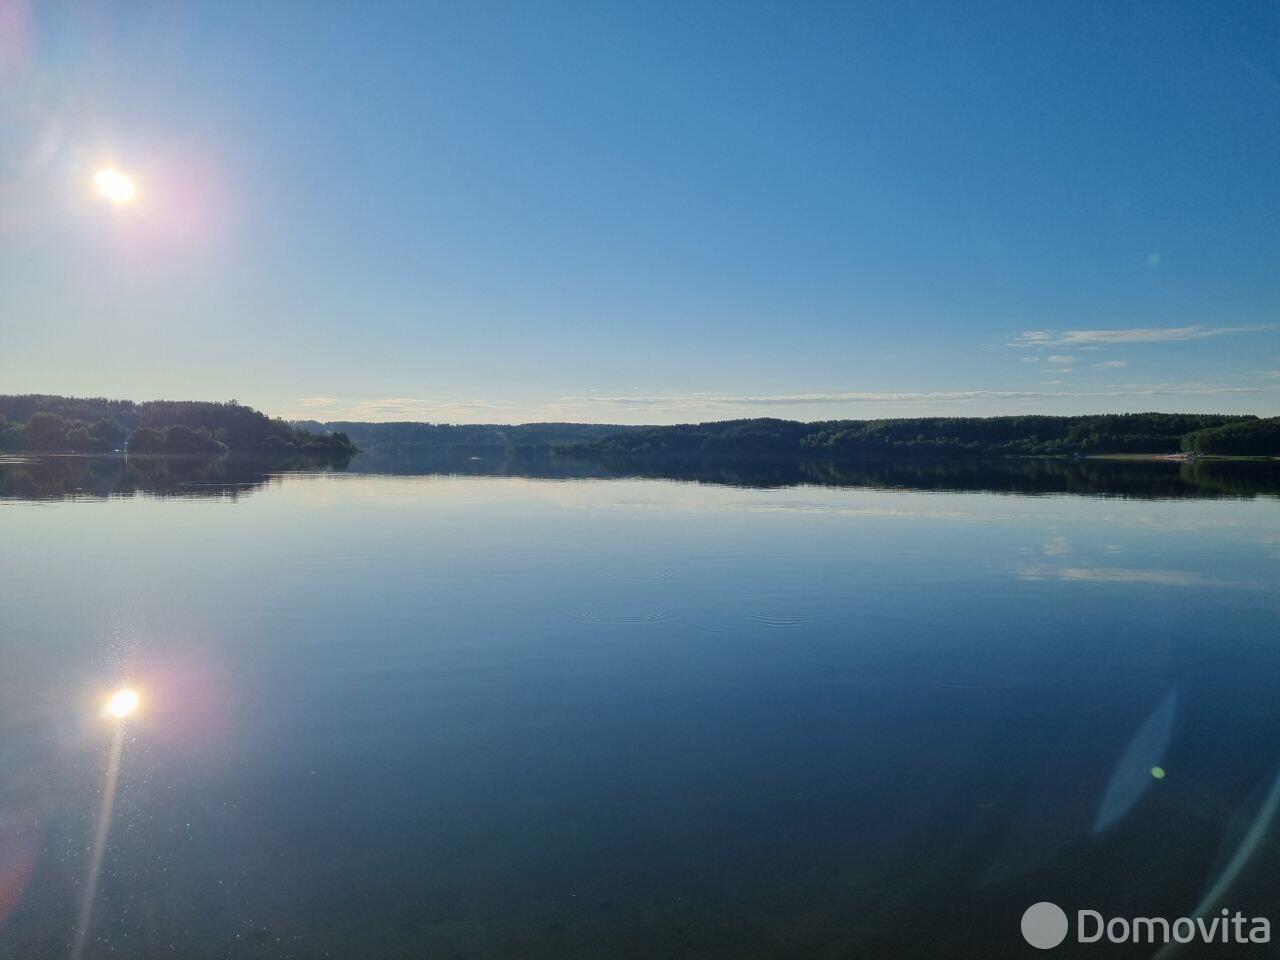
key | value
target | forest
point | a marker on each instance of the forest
(53, 424)
(412, 438)
(41, 423)
(1243, 438)
(950, 437)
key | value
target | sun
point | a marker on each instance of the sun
(113, 185)
(121, 704)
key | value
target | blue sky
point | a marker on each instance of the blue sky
(644, 212)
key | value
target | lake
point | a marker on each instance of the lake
(714, 711)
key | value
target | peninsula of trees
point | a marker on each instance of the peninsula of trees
(39, 423)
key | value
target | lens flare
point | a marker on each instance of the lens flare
(122, 703)
(114, 186)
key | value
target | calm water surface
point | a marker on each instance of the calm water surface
(511, 717)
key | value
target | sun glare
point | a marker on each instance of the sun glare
(114, 186)
(122, 703)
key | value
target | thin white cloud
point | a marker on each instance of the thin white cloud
(1061, 358)
(1095, 338)
(1110, 364)
(686, 407)
(948, 396)
(417, 409)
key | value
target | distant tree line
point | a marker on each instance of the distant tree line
(481, 439)
(51, 424)
(54, 424)
(947, 437)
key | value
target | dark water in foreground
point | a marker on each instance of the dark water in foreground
(874, 712)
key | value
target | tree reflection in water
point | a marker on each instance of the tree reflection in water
(89, 477)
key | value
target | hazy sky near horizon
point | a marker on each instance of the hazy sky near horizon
(644, 212)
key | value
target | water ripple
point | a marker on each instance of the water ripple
(770, 620)
(618, 578)
(621, 618)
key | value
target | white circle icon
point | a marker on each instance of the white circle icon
(1044, 925)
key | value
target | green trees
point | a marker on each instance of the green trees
(1248, 438)
(46, 432)
(1010, 436)
(78, 440)
(480, 439)
(917, 437)
(108, 432)
(51, 424)
(12, 435)
(243, 430)
(146, 440)
(176, 441)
